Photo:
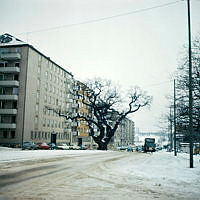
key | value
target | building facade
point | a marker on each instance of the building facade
(29, 81)
(124, 135)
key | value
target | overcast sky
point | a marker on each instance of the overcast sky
(132, 42)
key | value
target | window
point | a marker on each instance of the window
(36, 121)
(44, 122)
(3, 64)
(39, 69)
(1, 77)
(16, 77)
(39, 135)
(5, 134)
(15, 91)
(48, 123)
(36, 107)
(17, 64)
(13, 119)
(50, 76)
(31, 134)
(35, 134)
(37, 95)
(46, 74)
(46, 86)
(49, 99)
(2, 104)
(45, 98)
(38, 82)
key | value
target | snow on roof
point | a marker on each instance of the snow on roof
(7, 40)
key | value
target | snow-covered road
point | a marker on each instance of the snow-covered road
(97, 175)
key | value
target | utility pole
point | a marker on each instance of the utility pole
(171, 136)
(190, 88)
(175, 149)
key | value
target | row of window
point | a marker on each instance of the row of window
(7, 134)
(8, 104)
(50, 88)
(49, 76)
(54, 68)
(53, 123)
(6, 64)
(9, 91)
(7, 119)
(47, 135)
(9, 77)
(54, 101)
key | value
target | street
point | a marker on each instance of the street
(85, 175)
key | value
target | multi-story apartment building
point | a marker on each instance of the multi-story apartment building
(125, 133)
(82, 128)
(30, 81)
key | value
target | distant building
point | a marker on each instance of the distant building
(125, 133)
(29, 81)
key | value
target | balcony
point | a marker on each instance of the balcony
(8, 111)
(9, 97)
(9, 69)
(10, 56)
(9, 83)
(7, 126)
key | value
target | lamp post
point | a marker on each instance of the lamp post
(190, 88)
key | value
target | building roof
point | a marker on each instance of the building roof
(7, 40)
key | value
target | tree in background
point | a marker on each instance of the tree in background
(182, 94)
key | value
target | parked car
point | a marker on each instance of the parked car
(29, 145)
(83, 148)
(52, 146)
(42, 145)
(63, 147)
(139, 148)
(122, 148)
(75, 147)
(130, 149)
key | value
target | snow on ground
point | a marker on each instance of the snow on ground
(159, 171)
(9, 154)
(164, 170)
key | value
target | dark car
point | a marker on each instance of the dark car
(42, 145)
(29, 145)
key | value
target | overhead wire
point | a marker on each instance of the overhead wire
(101, 19)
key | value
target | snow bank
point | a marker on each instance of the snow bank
(165, 170)
(16, 155)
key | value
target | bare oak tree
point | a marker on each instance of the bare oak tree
(107, 108)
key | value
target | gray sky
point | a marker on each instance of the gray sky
(140, 47)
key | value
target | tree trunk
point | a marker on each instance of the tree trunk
(102, 146)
